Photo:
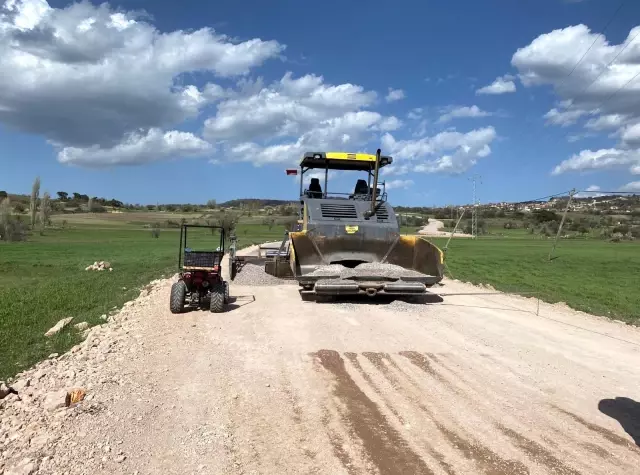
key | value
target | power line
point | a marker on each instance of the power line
(606, 68)
(618, 90)
(594, 41)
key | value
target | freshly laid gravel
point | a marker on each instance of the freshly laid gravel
(367, 269)
(251, 274)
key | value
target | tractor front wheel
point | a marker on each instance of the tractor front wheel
(226, 292)
(217, 298)
(178, 296)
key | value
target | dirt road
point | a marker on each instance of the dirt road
(471, 385)
(436, 229)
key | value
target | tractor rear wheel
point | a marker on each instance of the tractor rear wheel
(178, 296)
(216, 304)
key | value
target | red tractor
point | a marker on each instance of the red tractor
(200, 273)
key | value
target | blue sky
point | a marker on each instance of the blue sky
(148, 101)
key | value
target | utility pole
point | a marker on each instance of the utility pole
(564, 216)
(474, 213)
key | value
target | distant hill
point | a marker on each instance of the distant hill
(253, 203)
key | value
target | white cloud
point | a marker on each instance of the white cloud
(630, 135)
(395, 95)
(279, 122)
(86, 76)
(286, 108)
(415, 113)
(396, 184)
(563, 118)
(633, 186)
(604, 122)
(137, 148)
(502, 85)
(607, 93)
(462, 112)
(447, 152)
(599, 159)
(590, 192)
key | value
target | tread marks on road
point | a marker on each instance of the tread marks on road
(385, 446)
(538, 453)
(486, 460)
(606, 433)
(296, 416)
(353, 358)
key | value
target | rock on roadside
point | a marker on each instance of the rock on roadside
(58, 326)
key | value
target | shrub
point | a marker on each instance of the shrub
(616, 237)
(621, 228)
(12, 228)
(155, 230)
(269, 222)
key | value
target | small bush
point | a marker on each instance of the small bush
(616, 237)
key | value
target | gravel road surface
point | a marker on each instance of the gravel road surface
(436, 229)
(475, 384)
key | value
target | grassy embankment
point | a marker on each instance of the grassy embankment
(43, 280)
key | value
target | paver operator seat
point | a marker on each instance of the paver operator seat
(315, 190)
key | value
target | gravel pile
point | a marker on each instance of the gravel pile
(367, 269)
(251, 274)
(40, 407)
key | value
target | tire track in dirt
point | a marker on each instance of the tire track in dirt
(353, 358)
(384, 445)
(296, 417)
(538, 453)
(534, 450)
(606, 433)
(486, 460)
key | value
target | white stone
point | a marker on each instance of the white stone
(21, 384)
(81, 326)
(55, 400)
(58, 326)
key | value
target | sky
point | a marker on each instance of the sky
(182, 102)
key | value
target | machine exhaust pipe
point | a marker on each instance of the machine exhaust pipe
(372, 211)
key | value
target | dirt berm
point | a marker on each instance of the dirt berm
(472, 385)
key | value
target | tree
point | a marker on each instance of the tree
(544, 216)
(77, 196)
(212, 204)
(11, 227)
(3, 194)
(33, 204)
(62, 195)
(269, 222)
(45, 211)
(228, 222)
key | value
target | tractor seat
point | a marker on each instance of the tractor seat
(315, 190)
(361, 190)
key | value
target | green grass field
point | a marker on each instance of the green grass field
(595, 276)
(43, 280)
